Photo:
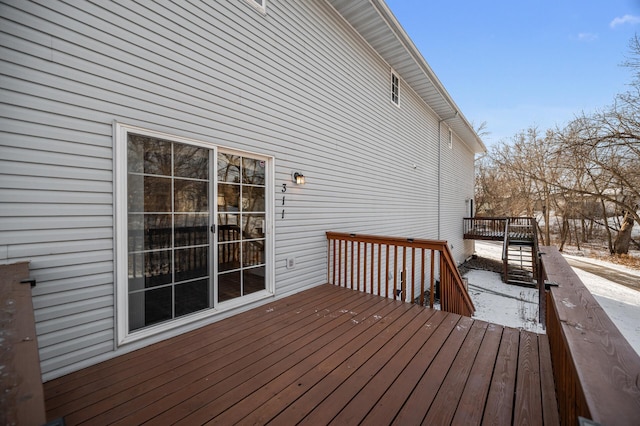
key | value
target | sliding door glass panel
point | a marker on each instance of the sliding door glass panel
(241, 222)
(169, 249)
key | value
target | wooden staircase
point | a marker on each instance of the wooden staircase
(520, 247)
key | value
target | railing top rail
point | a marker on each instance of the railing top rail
(398, 241)
(607, 366)
(497, 217)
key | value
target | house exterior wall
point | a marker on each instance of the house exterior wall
(297, 83)
(457, 188)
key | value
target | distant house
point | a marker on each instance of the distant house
(152, 155)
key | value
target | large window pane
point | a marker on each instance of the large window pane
(253, 226)
(169, 228)
(191, 229)
(228, 168)
(191, 297)
(253, 198)
(253, 171)
(253, 253)
(149, 269)
(191, 263)
(191, 196)
(157, 194)
(241, 225)
(229, 286)
(191, 162)
(228, 197)
(253, 280)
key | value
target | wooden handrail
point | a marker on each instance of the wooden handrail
(596, 371)
(368, 263)
(22, 399)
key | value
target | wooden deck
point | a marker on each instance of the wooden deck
(326, 355)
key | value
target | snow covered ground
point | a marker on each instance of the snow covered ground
(517, 307)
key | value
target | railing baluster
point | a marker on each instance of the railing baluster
(358, 266)
(334, 261)
(386, 273)
(413, 274)
(339, 263)
(351, 270)
(395, 272)
(379, 267)
(432, 286)
(364, 268)
(422, 269)
(372, 263)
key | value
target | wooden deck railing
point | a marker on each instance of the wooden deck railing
(399, 268)
(21, 393)
(493, 228)
(484, 227)
(596, 371)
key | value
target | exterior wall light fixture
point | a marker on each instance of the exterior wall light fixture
(298, 178)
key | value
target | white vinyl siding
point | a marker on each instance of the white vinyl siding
(458, 177)
(209, 71)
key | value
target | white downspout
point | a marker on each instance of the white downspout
(440, 164)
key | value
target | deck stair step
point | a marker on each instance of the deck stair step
(522, 283)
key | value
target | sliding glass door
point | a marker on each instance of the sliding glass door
(185, 253)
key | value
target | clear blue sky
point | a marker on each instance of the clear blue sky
(519, 63)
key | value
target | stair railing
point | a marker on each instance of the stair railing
(399, 268)
(505, 252)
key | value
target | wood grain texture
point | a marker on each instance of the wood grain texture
(597, 371)
(22, 399)
(328, 355)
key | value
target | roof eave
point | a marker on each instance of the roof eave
(377, 25)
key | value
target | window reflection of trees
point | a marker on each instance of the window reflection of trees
(168, 192)
(241, 207)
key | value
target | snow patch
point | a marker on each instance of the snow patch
(516, 307)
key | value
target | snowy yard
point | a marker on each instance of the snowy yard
(517, 307)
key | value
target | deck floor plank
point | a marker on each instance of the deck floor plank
(547, 385)
(272, 399)
(419, 402)
(471, 405)
(367, 398)
(447, 399)
(301, 409)
(325, 411)
(328, 354)
(146, 395)
(528, 396)
(499, 406)
(392, 401)
(218, 376)
(114, 376)
(361, 390)
(92, 377)
(350, 335)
